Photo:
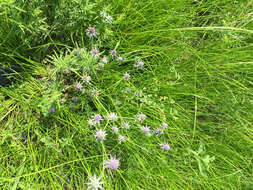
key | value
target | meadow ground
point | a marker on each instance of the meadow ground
(197, 77)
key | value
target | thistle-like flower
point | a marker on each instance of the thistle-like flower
(106, 17)
(78, 86)
(100, 135)
(140, 64)
(126, 76)
(95, 92)
(113, 163)
(146, 130)
(95, 52)
(112, 116)
(86, 78)
(141, 117)
(94, 183)
(121, 138)
(104, 60)
(115, 129)
(125, 125)
(97, 118)
(158, 131)
(113, 52)
(165, 146)
(91, 32)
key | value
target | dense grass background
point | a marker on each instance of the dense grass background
(197, 78)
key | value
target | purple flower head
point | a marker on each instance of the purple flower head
(100, 135)
(141, 117)
(75, 99)
(97, 118)
(140, 64)
(146, 130)
(52, 110)
(115, 129)
(113, 163)
(126, 76)
(91, 32)
(165, 146)
(86, 78)
(113, 52)
(119, 58)
(95, 52)
(78, 86)
(94, 183)
(158, 131)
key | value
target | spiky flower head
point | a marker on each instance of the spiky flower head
(94, 183)
(86, 78)
(121, 138)
(95, 52)
(100, 135)
(125, 125)
(106, 17)
(97, 118)
(114, 52)
(78, 86)
(113, 163)
(95, 92)
(112, 116)
(158, 131)
(91, 32)
(141, 117)
(115, 129)
(165, 146)
(126, 76)
(146, 130)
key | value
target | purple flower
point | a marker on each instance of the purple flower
(141, 117)
(158, 131)
(126, 76)
(140, 64)
(52, 110)
(97, 118)
(78, 86)
(100, 135)
(113, 163)
(91, 32)
(119, 58)
(146, 130)
(115, 129)
(74, 99)
(95, 52)
(113, 52)
(165, 146)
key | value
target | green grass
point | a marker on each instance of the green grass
(198, 78)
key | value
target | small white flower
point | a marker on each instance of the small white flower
(95, 183)
(86, 78)
(165, 146)
(113, 163)
(141, 117)
(112, 116)
(100, 135)
(146, 130)
(126, 76)
(121, 138)
(115, 129)
(125, 125)
(164, 125)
